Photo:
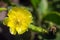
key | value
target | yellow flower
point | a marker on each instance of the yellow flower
(18, 20)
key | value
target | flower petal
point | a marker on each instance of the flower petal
(12, 31)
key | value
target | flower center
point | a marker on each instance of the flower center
(17, 22)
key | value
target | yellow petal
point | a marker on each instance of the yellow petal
(12, 31)
(21, 30)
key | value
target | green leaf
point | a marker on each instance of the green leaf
(42, 9)
(1, 9)
(53, 17)
(43, 6)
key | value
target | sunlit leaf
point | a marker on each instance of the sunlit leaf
(42, 9)
(43, 6)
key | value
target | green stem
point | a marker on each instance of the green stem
(37, 29)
